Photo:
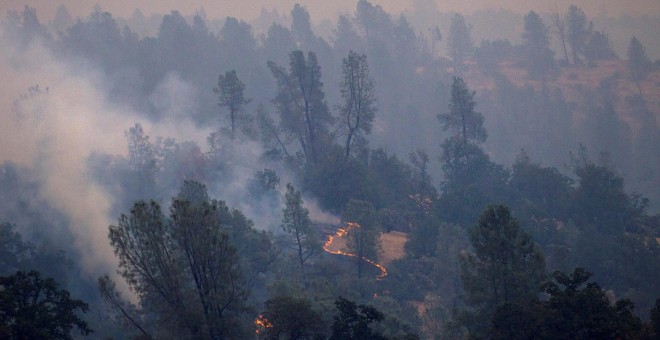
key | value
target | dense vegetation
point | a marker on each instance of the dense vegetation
(513, 229)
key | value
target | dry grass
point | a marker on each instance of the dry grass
(573, 78)
(391, 246)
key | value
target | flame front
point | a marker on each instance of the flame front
(341, 232)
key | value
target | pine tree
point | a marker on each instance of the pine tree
(505, 267)
(462, 119)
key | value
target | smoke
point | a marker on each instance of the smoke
(53, 117)
(53, 129)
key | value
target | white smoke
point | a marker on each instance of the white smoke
(55, 128)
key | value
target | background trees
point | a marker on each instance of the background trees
(639, 63)
(539, 57)
(576, 32)
(459, 41)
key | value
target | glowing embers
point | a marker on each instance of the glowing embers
(341, 232)
(261, 324)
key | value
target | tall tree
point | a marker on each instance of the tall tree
(357, 90)
(296, 223)
(35, 308)
(143, 160)
(461, 119)
(639, 63)
(539, 57)
(559, 24)
(459, 41)
(230, 89)
(185, 266)
(505, 267)
(363, 237)
(301, 27)
(304, 114)
(577, 32)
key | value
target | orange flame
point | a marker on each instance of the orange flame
(341, 232)
(261, 324)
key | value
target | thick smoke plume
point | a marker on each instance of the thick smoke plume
(53, 116)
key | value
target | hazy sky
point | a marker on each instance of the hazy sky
(319, 9)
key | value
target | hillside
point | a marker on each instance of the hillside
(572, 79)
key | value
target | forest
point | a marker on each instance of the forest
(396, 176)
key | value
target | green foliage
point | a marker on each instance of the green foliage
(17, 254)
(335, 181)
(14, 253)
(359, 107)
(300, 102)
(639, 63)
(587, 312)
(352, 321)
(296, 223)
(654, 319)
(506, 267)
(577, 32)
(471, 182)
(598, 47)
(462, 120)
(188, 267)
(459, 41)
(576, 309)
(143, 160)
(489, 54)
(292, 318)
(264, 181)
(539, 59)
(35, 308)
(231, 92)
(599, 199)
(538, 192)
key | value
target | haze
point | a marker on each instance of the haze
(220, 164)
(319, 10)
